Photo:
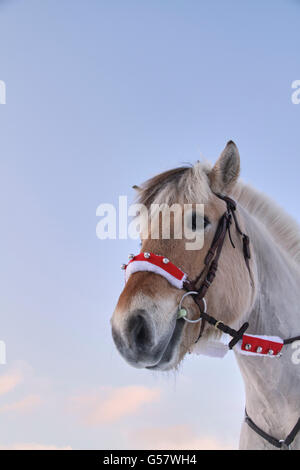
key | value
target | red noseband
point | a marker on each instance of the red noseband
(157, 264)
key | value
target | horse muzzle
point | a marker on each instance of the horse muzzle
(140, 341)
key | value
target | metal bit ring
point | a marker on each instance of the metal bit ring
(180, 308)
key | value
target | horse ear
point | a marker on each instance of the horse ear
(226, 171)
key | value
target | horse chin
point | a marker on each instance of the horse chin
(170, 356)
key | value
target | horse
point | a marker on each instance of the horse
(255, 290)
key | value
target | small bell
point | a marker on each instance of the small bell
(181, 313)
(123, 266)
(146, 255)
(165, 260)
(131, 256)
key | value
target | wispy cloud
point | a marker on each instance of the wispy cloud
(109, 405)
(9, 381)
(180, 437)
(33, 446)
(25, 405)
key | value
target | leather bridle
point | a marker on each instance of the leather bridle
(211, 261)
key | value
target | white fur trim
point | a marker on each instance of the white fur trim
(212, 347)
(136, 266)
(275, 339)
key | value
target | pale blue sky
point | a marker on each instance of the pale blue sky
(100, 96)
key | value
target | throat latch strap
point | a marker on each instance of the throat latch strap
(280, 444)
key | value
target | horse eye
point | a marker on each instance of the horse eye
(194, 221)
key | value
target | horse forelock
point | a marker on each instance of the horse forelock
(185, 184)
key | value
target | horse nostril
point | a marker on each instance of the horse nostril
(139, 331)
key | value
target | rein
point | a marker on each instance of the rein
(255, 345)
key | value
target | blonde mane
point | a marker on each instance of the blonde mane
(191, 184)
(284, 230)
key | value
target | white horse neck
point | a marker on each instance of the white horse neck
(272, 384)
